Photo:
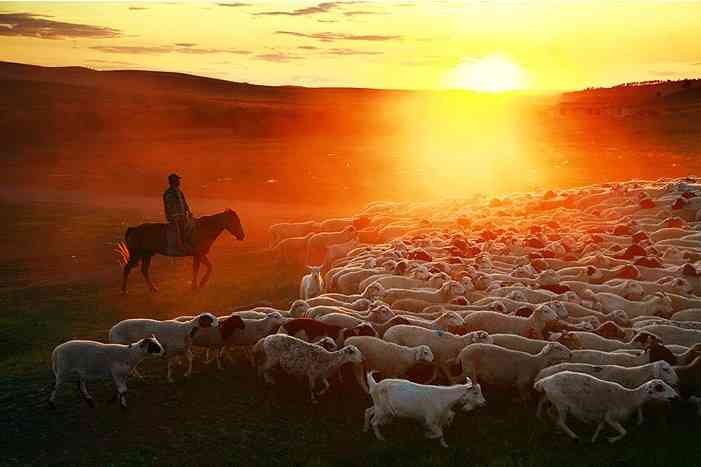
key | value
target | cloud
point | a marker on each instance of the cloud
(111, 62)
(185, 44)
(308, 47)
(362, 12)
(337, 36)
(234, 4)
(344, 51)
(134, 8)
(184, 48)
(278, 57)
(38, 26)
(327, 21)
(323, 7)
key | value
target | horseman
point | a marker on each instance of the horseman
(178, 212)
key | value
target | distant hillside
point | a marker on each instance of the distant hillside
(640, 93)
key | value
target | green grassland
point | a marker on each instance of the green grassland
(59, 280)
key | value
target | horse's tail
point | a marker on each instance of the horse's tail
(122, 248)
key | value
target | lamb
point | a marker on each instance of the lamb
(252, 331)
(174, 336)
(286, 230)
(382, 328)
(312, 284)
(391, 360)
(674, 334)
(597, 357)
(592, 400)
(658, 304)
(434, 406)
(445, 294)
(493, 322)
(216, 338)
(302, 359)
(319, 242)
(292, 250)
(338, 251)
(628, 377)
(89, 360)
(492, 364)
(360, 304)
(535, 346)
(445, 345)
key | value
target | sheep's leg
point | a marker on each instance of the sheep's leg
(377, 421)
(208, 272)
(54, 388)
(616, 426)
(190, 356)
(434, 431)
(359, 373)
(434, 375)
(136, 373)
(121, 385)
(369, 413)
(561, 422)
(84, 392)
(312, 382)
(218, 357)
(541, 404)
(326, 387)
(145, 265)
(640, 416)
(170, 370)
(598, 430)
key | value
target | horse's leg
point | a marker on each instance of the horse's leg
(195, 271)
(145, 264)
(208, 265)
(133, 261)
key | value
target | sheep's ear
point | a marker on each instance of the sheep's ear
(468, 382)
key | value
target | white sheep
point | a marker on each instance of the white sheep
(445, 345)
(312, 284)
(674, 335)
(89, 360)
(494, 322)
(629, 377)
(598, 357)
(433, 406)
(492, 364)
(286, 230)
(174, 336)
(391, 360)
(592, 400)
(445, 294)
(301, 359)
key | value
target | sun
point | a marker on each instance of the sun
(494, 73)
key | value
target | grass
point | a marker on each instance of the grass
(228, 417)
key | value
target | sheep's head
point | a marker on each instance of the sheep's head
(315, 272)
(327, 343)
(361, 304)
(556, 353)
(233, 323)
(661, 391)
(545, 313)
(516, 295)
(481, 281)
(207, 320)
(611, 330)
(620, 317)
(232, 223)
(276, 317)
(664, 371)
(449, 320)
(570, 340)
(592, 273)
(498, 306)
(645, 340)
(423, 354)
(478, 337)
(632, 290)
(453, 289)
(151, 346)
(472, 398)
(380, 312)
(374, 290)
(548, 277)
(352, 354)
(662, 304)
(559, 308)
(299, 308)
(677, 285)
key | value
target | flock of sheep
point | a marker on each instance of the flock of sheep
(587, 300)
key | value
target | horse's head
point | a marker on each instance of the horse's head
(232, 223)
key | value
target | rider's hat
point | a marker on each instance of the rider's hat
(173, 176)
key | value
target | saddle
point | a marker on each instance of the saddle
(171, 233)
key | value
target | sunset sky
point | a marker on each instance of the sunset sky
(485, 45)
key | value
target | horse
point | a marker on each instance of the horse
(142, 242)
